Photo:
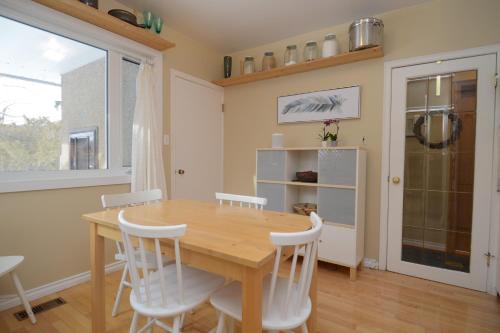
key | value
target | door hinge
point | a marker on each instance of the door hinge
(495, 80)
(222, 107)
(488, 256)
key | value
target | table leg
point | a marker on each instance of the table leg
(252, 301)
(313, 294)
(97, 280)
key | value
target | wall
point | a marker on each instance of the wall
(83, 104)
(250, 109)
(45, 226)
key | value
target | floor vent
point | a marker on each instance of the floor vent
(21, 315)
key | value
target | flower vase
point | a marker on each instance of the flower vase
(328, 144)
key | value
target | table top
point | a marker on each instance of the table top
(237, 234)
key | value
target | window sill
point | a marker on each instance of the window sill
(49, 180)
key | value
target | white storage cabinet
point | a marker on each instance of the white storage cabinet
(339, 194)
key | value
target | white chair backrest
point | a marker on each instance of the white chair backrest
(130, 199)
(241, 200)
(295, 300)
(151, 235)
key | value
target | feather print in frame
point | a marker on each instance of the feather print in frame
(340, 103)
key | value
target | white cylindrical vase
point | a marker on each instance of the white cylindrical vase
(277, 140)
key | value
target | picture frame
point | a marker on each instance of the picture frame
(317, 106)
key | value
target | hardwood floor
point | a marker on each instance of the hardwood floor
(376, 302)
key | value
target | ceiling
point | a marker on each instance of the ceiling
(234, 25)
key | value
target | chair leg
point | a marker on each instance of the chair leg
(176, 328)
(220, 323)
(183, 316)
(304, 328)
(230, 325)
(22, 296)
(133, 324)
(149, 320)
(120, 291)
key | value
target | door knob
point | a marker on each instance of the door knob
(396, 180)
(180, 172)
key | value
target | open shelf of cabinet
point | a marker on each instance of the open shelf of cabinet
(339, 194)
(105, 21)
(294, 183)
(341, 59)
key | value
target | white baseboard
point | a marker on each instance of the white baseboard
(370, 263)
(10, 301)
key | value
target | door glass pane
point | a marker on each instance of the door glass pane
(439, 170)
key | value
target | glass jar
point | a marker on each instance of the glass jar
(310, 51)
(330, 46)
(291, 55)
(268, 62)
(249, 65)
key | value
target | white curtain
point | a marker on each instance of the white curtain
(147, 160)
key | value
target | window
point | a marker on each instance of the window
(83, 150)
(54, 87)
(67, 100)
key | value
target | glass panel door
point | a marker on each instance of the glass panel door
(440, 190)
(439, 170)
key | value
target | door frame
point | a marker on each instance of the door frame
(385, 173)
(174, 75)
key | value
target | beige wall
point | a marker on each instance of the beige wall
(45, 226)
(250, 109)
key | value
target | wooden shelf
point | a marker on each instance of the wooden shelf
(348, 187)
(103, 20)
(341, 59)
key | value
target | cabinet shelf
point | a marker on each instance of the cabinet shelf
(105, 21)
(341, 59)
(306, 184)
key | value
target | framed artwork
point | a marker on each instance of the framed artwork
(342, 103)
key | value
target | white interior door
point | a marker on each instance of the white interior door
(197, 137)
(441, 148)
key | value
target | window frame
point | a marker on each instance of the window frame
(118, 48)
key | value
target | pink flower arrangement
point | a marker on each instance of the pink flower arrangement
(326, 134)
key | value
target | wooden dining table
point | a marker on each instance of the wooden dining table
(231, 241)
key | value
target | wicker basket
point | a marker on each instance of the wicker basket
(305, 208)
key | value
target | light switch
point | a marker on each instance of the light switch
(166, 139)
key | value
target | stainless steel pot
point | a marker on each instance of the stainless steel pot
(366, 32)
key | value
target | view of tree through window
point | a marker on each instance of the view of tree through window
(50, 88)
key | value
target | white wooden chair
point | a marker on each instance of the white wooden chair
(8, 265)
(171, 290)
(241, 200)
(286, 303)
(123, 200)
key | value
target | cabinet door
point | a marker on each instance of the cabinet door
(337, 205)
(275, 194)
(270, 165)
(337, 167)
(337, 244)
